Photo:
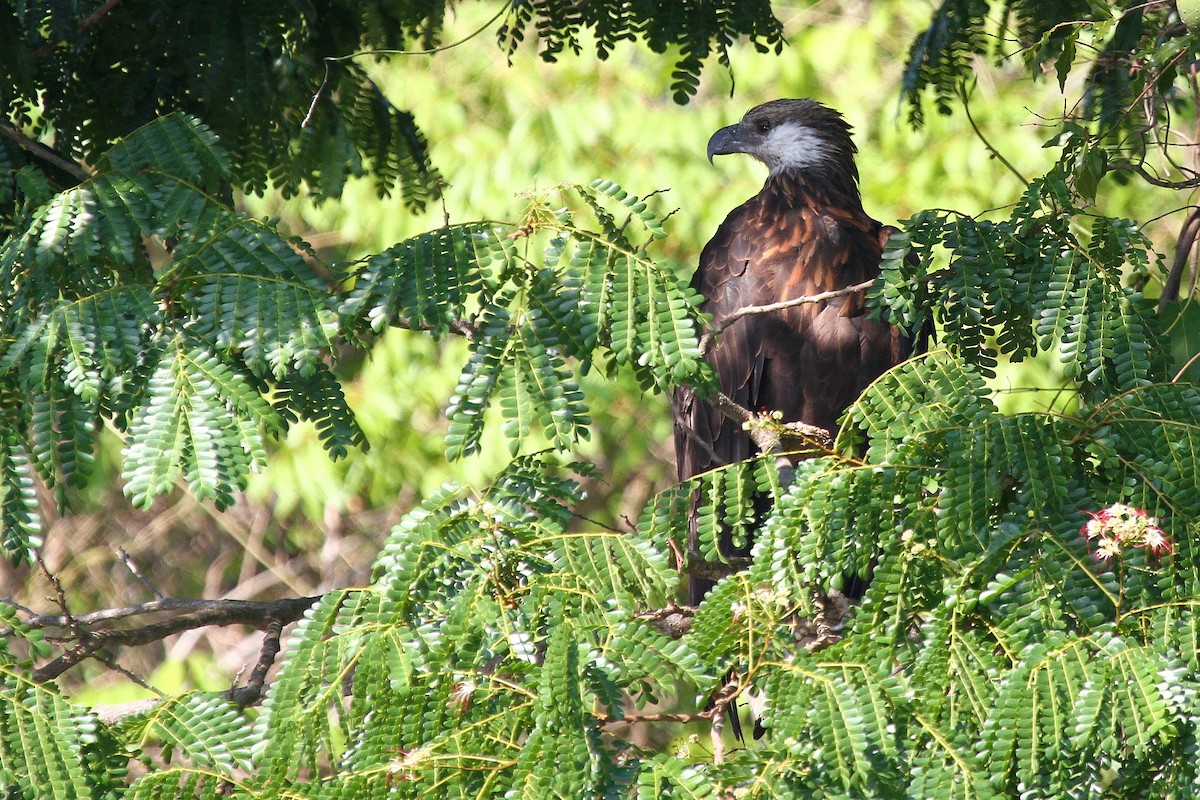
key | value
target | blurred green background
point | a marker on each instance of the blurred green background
(497, 130)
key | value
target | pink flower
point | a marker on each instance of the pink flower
(1119, 527)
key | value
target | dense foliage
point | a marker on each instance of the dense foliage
(276, 83)
(1030, 628)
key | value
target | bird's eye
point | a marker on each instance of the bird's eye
(763, 125)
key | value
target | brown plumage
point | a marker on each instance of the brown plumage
(805, 232)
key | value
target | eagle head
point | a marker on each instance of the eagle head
(790, 135)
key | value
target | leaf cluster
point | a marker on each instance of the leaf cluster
(543, 300)
(1037, 280)
(94, 73)
(993, 653)
(194, 354)
(140, 299)
(1136, 60)
(696, 29)
(284, 85)
(480, 661)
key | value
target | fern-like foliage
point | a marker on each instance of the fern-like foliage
(941, 56)
(94, 74)
(482, 658)
(994, 653)
(1029, 282)
(697, 30)
(728, 502)
(215, 62)
(49, 748)
(1134, 56)
(542, 300)
(179, 353)
(1014, 640)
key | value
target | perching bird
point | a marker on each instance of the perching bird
(804, 233)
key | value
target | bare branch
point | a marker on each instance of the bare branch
(720, 703)
(716, 733)
(671, 621)
(462, 327)
(137, 573)
(312, 108)
(1189, 183)
(1187, 365)
(115, 667)
(68, 621)
(195, 614)
(41, 151)
(214, 612)
(1183, 249)
(253, 691)
(633, 719)
(697, 440)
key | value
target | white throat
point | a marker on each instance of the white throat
(791, 146)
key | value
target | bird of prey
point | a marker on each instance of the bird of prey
(804, 233)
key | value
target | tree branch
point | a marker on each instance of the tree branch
(715, 713)
(41, 151)
(312, 107)
(671, 621)
(252, 692)
(90, 635)
(1183, 249)
(1189, 183)
(465, 328)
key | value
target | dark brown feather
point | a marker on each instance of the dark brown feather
(804, 233)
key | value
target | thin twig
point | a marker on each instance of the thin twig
(770, 308)
(1190, 183)
(1187, 365)
(698, 440)
(962, 95)
(88, 21)
(464, 328)
(115, 667)
(664, 612)
(439, 49)
(69, 621)
(331, 60)
(41, 151)
(312, 107)
(137, 573)
(229, 612)
(632, 719)
(672, 620)
(722, 703)
(716, 733)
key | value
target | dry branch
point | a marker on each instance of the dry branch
(707, 339)
(41, 151)
(92, 632)
(1183, 249)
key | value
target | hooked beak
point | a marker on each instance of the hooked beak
(725, 141)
